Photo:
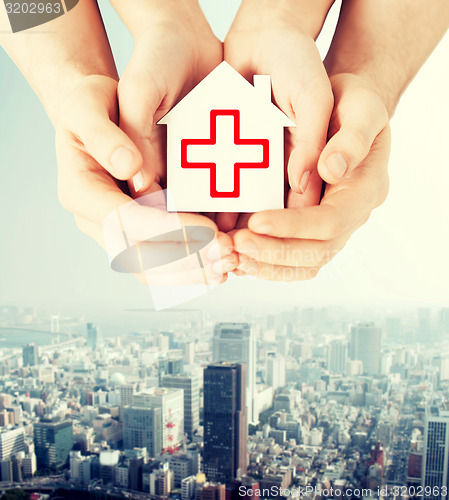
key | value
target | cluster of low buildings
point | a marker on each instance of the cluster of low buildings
(198, 412)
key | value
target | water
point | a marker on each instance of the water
(10, 337)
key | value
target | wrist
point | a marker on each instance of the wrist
(389, 90)
(304, 15)
(68, 87)
(185, 15)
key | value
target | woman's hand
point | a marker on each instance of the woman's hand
(277, 39)
(174, 50)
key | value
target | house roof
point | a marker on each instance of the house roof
(225, 81)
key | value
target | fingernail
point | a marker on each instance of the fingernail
(122, 159)
(304, 182)
(224, 265)
(337, 165)
(249, 266)
(248, 247)
(229, 263)
(138, 181)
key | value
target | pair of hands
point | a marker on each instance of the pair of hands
(103, 141)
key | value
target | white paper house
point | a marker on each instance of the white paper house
(225, 146)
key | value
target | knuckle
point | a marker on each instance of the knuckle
(359, 143)
(334, 226)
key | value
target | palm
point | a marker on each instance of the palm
(165, 67)
(301, 89)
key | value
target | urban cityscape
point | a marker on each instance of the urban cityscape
(309, 403)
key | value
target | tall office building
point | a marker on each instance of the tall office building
(337, 356)
(53, 442)
(170, 366)
(443, 320)
(127, 392)
(225, 422)
(142, 428)
(171, 404)
(275, 368)
(191, 387)
(424, 329)
(365, 346)
(188, 351)
(12, 441)
(236, 343)
(94, 338)
(435, 466)
(30, 355)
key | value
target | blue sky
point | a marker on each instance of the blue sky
(400, 256)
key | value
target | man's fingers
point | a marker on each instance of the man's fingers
(287, 251)
(139, 98)
(343, 206)
(92, 122)
(361, 117)
(324, 222)
(262, 270)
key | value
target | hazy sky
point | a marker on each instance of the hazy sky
(398, 257)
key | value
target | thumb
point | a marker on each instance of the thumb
(362, 118)
(90, 120)
(143, 99)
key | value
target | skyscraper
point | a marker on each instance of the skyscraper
(443, 320)
(171, 404)
(30, 355)
(127, 392)
(236, 343)
(53, 442)
(12, 441)
(142, 428)
(337, 356)
(365, 346)
(170, 366)
(225, 422)
(93, 336)
(191, 387)
(436, 453)
(275, 368)
(188, 350)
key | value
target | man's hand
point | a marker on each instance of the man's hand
(293, 244)
(88, 142)
(277, 39)
(174, 50)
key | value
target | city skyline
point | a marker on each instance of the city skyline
(151, 412)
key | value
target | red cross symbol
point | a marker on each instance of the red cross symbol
(236, 142)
